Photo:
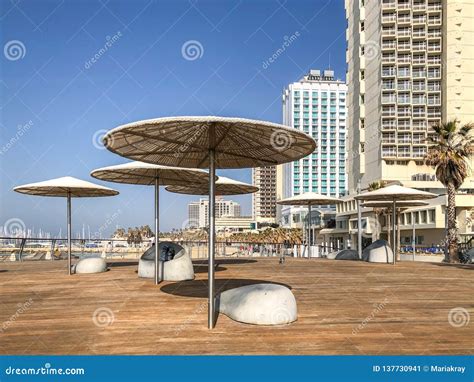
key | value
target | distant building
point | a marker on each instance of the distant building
(264, 200)
(316, 105)
(198, 212)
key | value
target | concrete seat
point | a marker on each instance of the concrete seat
(259, 304)
(347, 254)
(378, 252)
(91, 265)
(177, 263)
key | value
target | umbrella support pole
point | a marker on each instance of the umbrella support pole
(69, 232)
(212, 237)
(309, 231)
(413, 240)
(394, 233)
(158, 264)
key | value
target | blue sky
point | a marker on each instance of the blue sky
(56, 102)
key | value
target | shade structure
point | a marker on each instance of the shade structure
(395, 194)
(400, 204)
(209, 142)
(152, 174)
(309, 199)
(67, 187)
(224, 186)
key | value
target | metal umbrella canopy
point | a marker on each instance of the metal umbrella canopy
(309, 199)
(67, 187)
(395, 194)
(152, 174)
(224, 186)
(209, 142)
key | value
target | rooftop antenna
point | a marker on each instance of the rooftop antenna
(329, 61)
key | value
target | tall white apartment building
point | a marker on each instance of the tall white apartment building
(264, 200)
(198, 212)
(410, 65)
(316, 105)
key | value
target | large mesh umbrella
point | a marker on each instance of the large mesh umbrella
(394, 194)
(152, 174)
(67, 187)
(309, 199)
(209, 142)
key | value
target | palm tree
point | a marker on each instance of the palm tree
(449, 152)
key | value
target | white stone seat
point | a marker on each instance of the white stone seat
(180, 268)
(91, 265)
(259, 304)
(378, 252)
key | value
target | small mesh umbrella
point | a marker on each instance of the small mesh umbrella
(67, 187)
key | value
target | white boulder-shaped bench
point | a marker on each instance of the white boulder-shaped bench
(347, 254)
(180, 268)
(378, 252)
(91, 265)
(259, 304)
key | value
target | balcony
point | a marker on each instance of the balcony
(419, 125)
(389, 152)
(417, 20)
(419, 60)
(389, 45)
(389, 124)
(389, 113)
(434, 86)
(389, 99)
(419, 114)
(404, 153)
(404, 59)
(389, 72)
(405, 85)
(434, 48)
(404, 19)
(434, 101)
(418, 47)
(403, 5)
(388, 32)
(419, 74)
(434, 73)
(434, 60)
(389, 18)
(404, 46)
(434, 20)
(404, 113)
(404, 32)
(389, 4)
(434, 113)
(388, 59)
(417, 7)
(434, 7)
(403, 100)
(419, 100)
(419, 87)
(404, 125)
(419, 33)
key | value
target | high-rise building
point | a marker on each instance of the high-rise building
(316, 105)
(410, 65)
(264, 200)
(198, 212)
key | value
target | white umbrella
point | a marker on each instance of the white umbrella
(394, 194)
(209, 142)
(68, 187)
(309, 199)
(152, 174)
(224, 186)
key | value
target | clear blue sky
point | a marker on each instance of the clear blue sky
(48, 78)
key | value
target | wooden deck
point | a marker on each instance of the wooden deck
(343, 308)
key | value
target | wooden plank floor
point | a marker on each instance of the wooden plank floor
(343, 308)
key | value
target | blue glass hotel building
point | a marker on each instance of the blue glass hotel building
(316, 105)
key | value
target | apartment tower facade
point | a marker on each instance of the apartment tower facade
(264, 200)
(410, 65)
